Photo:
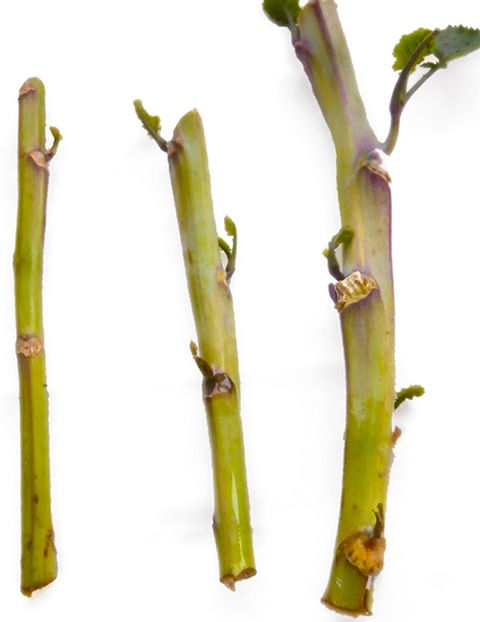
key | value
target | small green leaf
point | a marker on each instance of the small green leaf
(415, 390)
(55, 132)
(454, 42)
(231, 229)
(406, 47)
(150, 122)
(203, 366)
(282, 12)
(57, 137)
(230, 226)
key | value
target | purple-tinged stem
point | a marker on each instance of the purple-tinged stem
(365, 304)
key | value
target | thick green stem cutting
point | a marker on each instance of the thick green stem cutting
(364, 299)
(39, 561)
(364, 291)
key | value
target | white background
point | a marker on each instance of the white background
(131, 478)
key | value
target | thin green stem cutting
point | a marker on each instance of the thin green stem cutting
(39, 560)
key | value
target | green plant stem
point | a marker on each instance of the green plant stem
(39, 562)
(368, 323)
(208, 283)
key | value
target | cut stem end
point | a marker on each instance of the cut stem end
(230, 580)
(29, 590)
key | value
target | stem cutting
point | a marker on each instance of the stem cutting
(39, 558)
(216, 354)
(363, 291)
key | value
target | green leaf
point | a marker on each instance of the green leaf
(57, 137)
(448, 44)
(406, 47)
(203, 366)
(454, 42)
(150, 122)
(415, 390)
(55, 132)
(230, 227)
(282, 12)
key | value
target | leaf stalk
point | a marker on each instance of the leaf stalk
(400, 95)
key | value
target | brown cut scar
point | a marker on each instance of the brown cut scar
(219, 382)
(49, 543)
(365, 552)
(173, 148)
(222, 280)
(39, 158)
(29, 345)
(396, 434)
(27, 88)
(229, 581)
(355, 287)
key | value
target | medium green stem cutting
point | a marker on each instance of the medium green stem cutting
(216, 354)
(39, 560)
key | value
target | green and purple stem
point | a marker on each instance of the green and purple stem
(364, 290)
(367, 318)
(216, 354)
(366, 309)
(39, 559)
